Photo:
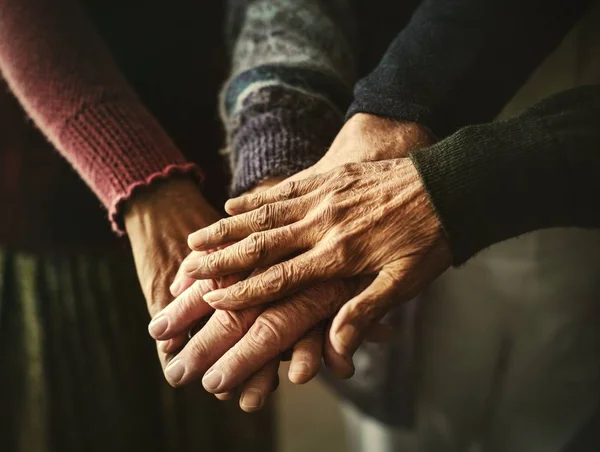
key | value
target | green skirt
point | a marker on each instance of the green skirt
(78, 371)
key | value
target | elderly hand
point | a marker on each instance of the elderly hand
(158, 221)
(235, 344)
(173, 323)
(360, 219)
(366, 138)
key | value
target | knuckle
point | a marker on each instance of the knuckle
(288, 190)
(262, 218)
(275, 280)
(241, 290)
(329, 214)
(212, 262)
(265, 333)
(255, 246)
(195, 350)
(219, 230)
(338, 251)
(230, 322)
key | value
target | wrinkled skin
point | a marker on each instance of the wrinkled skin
(326, 217)
(360, 219)
(158, 221)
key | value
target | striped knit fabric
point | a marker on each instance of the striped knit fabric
(292, 76)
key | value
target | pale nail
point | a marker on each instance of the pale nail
(212, 380)
(252, 399)
(215, 296)
(298, 370)
(197, 239)
(174, 371)
(158, 326)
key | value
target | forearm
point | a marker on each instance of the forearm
(541, 169)
(292, 73)
(69, 85)
(458, 62)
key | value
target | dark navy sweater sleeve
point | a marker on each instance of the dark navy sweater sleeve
(458, 62)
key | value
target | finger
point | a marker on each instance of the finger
(164, 357)
(260, 249)
(239, 227)
(180, 315)
(173, 345)
(182, 281)
(258, 387)
(340, 366)
(220, 334)
(281, 192)
(306, 358)
(225, 395)
(276, 282)
(275, 330)
(355, 317)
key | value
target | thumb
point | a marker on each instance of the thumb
(182, 281)
(359, 315)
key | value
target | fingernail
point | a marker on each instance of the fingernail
(190, 265)
(212, 380)
(231, 205)
(252, 399)
(174, 371)
(215, 296)
(299, 369)
(197, 239)
(174, 289)
(158, 326)
(344, 339)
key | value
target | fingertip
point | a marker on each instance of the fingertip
(232, 205)
(175, 288)
(158, 326)
(197, 240)
(215, 297)
(300, 373)
(252, 400)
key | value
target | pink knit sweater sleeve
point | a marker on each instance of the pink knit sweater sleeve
(66, 80)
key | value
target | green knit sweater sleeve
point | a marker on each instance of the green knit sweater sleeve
(495, 181)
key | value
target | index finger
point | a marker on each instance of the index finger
(281, 192)
(275, 330)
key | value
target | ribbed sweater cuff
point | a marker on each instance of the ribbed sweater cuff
(120, 148)
(395, 109)
(281, 142)
(488, 183)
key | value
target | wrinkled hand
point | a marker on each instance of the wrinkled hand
(235, 344)
(158, 221)
(189, 308)
(359, 219)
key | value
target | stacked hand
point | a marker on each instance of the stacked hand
(158, 221)
(338, 240)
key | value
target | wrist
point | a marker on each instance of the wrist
(391, 138)
(166, 201)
